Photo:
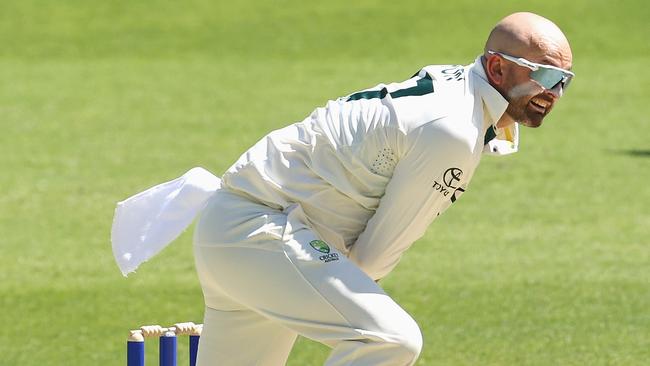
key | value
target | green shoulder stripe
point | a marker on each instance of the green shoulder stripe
(424, 86)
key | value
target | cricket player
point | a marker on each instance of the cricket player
(294, 237)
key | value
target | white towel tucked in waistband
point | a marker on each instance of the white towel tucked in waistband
(147, 222)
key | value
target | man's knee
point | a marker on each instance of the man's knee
(410, 341)
(392, 348)
(399, 345)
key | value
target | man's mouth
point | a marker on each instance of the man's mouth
(540, 105)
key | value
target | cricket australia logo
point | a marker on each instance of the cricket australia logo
(450, 184)
(322, 247)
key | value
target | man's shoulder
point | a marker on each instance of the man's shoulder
(449, 95)
(450, 79)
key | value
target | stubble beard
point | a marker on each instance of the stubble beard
(518, 109)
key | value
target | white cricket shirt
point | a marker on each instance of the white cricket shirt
(371, 171)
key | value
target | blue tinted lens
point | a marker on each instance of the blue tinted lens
(549, 78)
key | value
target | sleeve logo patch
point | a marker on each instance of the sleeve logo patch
(322, 247)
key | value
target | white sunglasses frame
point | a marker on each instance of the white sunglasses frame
(535, 66)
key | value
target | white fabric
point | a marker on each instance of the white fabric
(372, 170)
(264, 283)
(148, 221)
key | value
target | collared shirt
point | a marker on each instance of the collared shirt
(369, 172)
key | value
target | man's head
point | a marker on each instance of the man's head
(538, 40)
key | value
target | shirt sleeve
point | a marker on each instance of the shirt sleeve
(427, 179)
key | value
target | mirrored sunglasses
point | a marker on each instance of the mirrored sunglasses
(546, 75)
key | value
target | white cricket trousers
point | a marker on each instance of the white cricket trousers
(266, 279)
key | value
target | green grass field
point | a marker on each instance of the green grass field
(545, 260)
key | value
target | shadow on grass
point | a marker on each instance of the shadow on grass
(637, 153)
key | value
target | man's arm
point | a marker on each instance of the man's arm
(424, 183)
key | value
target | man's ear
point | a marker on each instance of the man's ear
(494, 69)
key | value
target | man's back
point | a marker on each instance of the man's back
(338, 162)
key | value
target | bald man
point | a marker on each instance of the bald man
(307, 221)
